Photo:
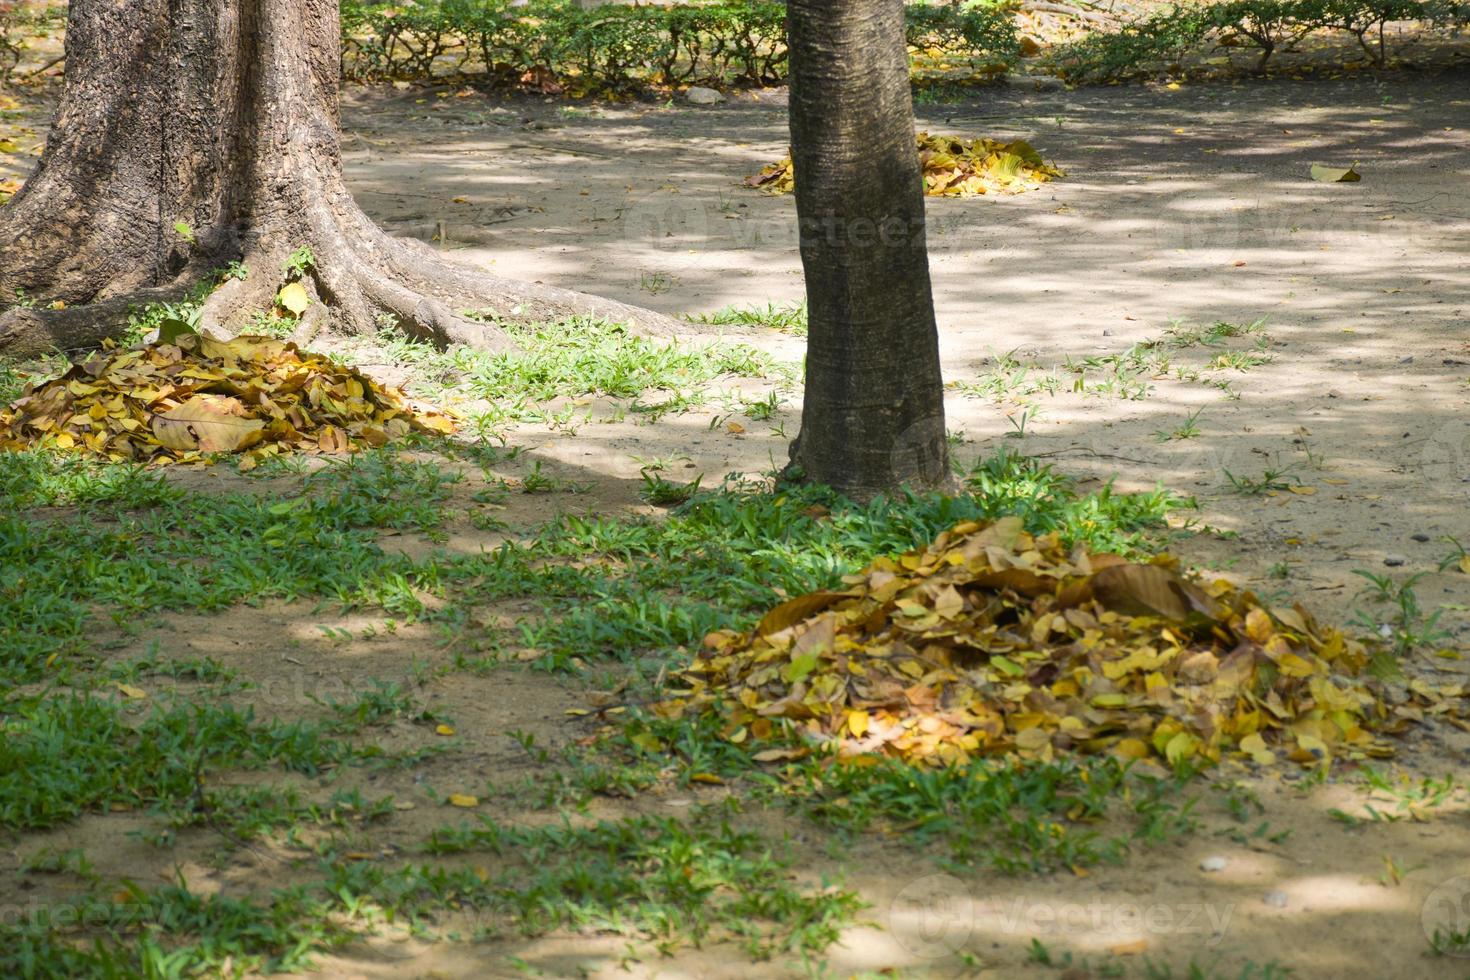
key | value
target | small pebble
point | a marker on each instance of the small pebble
(1419, 536)
(1393, 561)
(1276, 899)
(1213, 864)
(699, 95)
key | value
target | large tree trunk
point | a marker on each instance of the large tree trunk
(873, 415)
(222, 114)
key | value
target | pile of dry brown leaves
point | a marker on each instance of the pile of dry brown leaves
(953, 167)
(994, 641)
(178, 401)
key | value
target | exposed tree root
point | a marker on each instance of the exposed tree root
(354, 290)
(27, 331)
(203, 133)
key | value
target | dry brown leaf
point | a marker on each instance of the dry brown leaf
(176, 401)
(992, 640)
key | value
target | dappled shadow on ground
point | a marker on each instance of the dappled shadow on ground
(1192, 203)
(1167, 192)
(1363, 409)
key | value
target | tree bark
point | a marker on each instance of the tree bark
(873, 415)
(222, 114)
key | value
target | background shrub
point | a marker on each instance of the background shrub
(1167, 36)
(618, 47)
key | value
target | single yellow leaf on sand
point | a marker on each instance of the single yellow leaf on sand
(463, 800)
(1335, 175)
(443, 730)
(129, 691)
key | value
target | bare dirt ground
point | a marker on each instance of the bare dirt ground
(1191, 204)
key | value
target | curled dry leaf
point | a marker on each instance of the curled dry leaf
(991, 641)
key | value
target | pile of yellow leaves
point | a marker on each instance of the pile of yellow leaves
(994, 641)
(953, 167)
(176, 401)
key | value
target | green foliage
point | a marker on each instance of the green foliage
(1169, 35)
(973, 30)
(62, 756)
(655, 878)
(301, 261)
(572, 360)
(1407, 625)
(663, 881)
(169, 932)
(16, 374)
(726, 556)
(136, 543)
(790, 318)
(185, 312)
(1009, 816)
(617, 47)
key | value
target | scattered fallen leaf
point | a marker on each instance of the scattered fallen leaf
(294, 298)
(1335, 175)
(463, 800)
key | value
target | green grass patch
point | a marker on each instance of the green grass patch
(665, 881)
(573, 360)
(138, 544)
(727, 556)
(63, 755)
(1007, 815)
(789, 318)
(662, 882)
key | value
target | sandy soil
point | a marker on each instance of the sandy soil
(1191, 203)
